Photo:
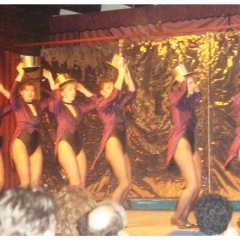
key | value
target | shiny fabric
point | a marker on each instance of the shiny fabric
(23, 115)
(109, 116)
(215, 58)
(182, 115)
(30, 140)
(65, 120)
(121, 136)
(236, 142)
(74, 140)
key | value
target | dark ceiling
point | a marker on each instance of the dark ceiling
(24, 23)
(54, 9)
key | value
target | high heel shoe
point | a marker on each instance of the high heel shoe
(180, 223)
(193, 225)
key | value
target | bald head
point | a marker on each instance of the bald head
(101, 216)
(118, 207)
(103, 220)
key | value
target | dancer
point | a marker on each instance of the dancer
(69, 146)
(25, 148)
(114, 132)
(182, 141)
(4, 110)
(234, 149)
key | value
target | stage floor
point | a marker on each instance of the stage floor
(157, 223)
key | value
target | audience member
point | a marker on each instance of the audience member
(108, 218)
(119, 208)
(27, 212)
(213, 213)
(72, 203)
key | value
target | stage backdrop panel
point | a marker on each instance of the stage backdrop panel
(215, 58)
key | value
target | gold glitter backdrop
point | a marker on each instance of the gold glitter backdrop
(214, 56)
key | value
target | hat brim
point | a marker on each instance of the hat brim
(188, 73)
(112, 65)
(66, 81)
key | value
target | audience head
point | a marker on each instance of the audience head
(72, 203)
(119, 208)
(213, 213)
(27, 212)
(108, 218)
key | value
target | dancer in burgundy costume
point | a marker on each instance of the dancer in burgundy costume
(4, 110)
(234, 149)
(182, 142)
(114, 132)
(69, 146)
(25, 148)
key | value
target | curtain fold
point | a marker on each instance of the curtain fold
(8, 72)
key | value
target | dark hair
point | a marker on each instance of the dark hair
(174, 86)
(24, 84)
(26, 212)
(213, 213)
(105, 78)
(236, 82)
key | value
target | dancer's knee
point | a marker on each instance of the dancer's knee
(126, 185)
(194, 187)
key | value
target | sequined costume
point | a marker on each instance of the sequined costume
(183, 119)
(68, 125)
(236, 142)
(27, 125)
(107, 113)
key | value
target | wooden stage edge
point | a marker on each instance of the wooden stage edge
(153, 223)
(166, 204)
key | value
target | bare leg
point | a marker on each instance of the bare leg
(238, 155)
(21, 160)
(82, 167)
(198, 167)
(1, 171)
(184, 159)
(69, 163)
(36, 160)
(116, 158)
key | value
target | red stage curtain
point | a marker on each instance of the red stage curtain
(8, 63)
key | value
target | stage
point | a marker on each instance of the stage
(157, 222)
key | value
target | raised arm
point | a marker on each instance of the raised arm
(47, 74)
(131, 86)
(131, 90)
(83, 90)
(196, 97)
(14, 98)
(4, 91)
(121, 74)
(177, 98)
(20, 72)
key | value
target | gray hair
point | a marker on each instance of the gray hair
(26, 212)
